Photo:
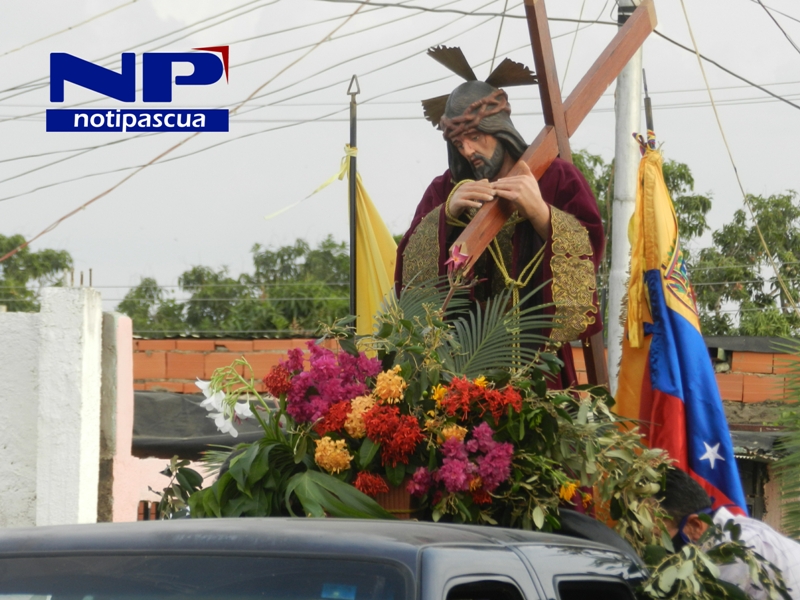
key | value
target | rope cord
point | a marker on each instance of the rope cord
(736, 170)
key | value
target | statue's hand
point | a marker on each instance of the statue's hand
(523, 191)
(470, 195)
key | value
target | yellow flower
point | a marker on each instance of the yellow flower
(567, 490)
(354, 425)
(389, 386)
(586, 499)
(475, 484)
(332, 455)
(453, 431)
(438, 393)
(481, 382)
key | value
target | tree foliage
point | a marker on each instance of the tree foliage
(290, 290)
(22, 275)
(737, 292)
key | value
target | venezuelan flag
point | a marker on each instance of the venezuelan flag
(666, 378)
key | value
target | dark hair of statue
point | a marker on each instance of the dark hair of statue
(682, 495)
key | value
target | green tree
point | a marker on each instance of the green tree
(736, 270)
(22, 275)
(290, 291)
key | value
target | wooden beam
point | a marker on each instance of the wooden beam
(609, 64)
(486, 224)
(545, 63)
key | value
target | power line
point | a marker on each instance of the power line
(774, 20)
(291, 124)
(788, 16)
(71, 27)
(41, 82)
(162, 154)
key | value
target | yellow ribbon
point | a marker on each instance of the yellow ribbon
(344, 169)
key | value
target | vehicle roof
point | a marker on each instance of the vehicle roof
(343, 538)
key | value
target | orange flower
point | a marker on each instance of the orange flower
(567, 490)
(453, 431)
(354, 425)
(332, 455)
(438, 393)
(389, 386)
(587, 500)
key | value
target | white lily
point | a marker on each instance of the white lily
(242, 410)
(223, 424)
(205, 387)
(214, 402)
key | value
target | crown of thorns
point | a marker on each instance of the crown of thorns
(507, 73)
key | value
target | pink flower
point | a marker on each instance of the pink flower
(456, 471)
(420, 483)
(457, 259)
(331, 378)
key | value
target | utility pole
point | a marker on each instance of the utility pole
(353, 90)
(628, 102)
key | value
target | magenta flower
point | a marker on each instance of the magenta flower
(331, 378)
(420, 483)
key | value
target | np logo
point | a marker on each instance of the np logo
(209, 65)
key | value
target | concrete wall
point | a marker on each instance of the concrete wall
(50, 401)
(19, 392)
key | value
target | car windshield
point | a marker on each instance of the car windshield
(170, 577)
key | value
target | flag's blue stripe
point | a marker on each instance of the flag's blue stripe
(680, 366)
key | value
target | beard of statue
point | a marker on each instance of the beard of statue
(489, 167)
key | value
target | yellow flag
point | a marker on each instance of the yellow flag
(376, 250)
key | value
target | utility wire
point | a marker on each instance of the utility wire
(70, 28)
(575, 39)
(189, 154)
(788, 16)
(55, 224)
(736, 170)
(774, 20)
(499, 32)
(41, 167)
(42, 81)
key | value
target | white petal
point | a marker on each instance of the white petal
(204, 387)
(219, 420)
(232, 430)
(243, 410)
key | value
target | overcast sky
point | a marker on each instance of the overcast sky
(207, 206)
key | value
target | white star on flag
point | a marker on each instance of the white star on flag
(711, 454)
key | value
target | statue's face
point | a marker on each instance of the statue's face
(484, 152)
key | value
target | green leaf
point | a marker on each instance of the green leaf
(367, 452)
(194, 478)
(395, 475)
(385, 330)
(538, 517)
(667, 579)
(685, 570)
(348, 346)
(321, 494)
(300, 451)
(622, 454)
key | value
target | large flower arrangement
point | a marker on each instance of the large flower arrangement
(457, 413)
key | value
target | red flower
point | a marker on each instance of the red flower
(496, 401)
(371, 484)
(460, 395)
(397, 434)
(481, 496)
(277, 381)
(334, 419)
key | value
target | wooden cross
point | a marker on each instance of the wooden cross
(561, 120)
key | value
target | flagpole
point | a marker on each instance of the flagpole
(628, 100)
(353, 90)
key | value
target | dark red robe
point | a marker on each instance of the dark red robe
(572, 254)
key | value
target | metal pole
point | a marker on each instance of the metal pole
(628, 102)
(353, 90)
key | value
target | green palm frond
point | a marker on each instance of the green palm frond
(416, 296)
(496, 336)
(787, 468)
